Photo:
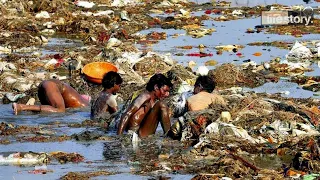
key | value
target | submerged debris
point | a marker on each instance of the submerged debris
(64, 157)
(84, 175)
(25, 159)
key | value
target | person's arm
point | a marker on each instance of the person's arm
(112, 110)
(132, 109)
(112, 104)
(188, 105)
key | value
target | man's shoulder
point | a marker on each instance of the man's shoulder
(143, 96)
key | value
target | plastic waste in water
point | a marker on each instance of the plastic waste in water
(203, 70)
(13, 97)
(318, 49)
(84, 4)
(299, 51)
(200, 54)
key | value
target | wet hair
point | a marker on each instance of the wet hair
(159, 80)
(207, 83)
(110, 79)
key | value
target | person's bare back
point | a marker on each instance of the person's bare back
(55, 96)
(202, 100)
(143, 105)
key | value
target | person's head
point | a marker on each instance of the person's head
(160, 84)
(204, 83)
(112, 80)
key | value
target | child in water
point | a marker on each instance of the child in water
(106, 103)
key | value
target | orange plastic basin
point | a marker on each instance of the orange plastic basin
(94, 71)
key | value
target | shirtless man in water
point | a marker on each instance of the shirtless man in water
(147, 110)
(55, 96)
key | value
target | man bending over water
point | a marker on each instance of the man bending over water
(106, 103)
(55, 96)
(147, 110)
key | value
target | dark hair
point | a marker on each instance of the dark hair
(159, 80)
(206, 83)
(110, 79)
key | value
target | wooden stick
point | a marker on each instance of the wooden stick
(253, 167)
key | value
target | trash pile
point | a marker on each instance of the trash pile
(251, 126)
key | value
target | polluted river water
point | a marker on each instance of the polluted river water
(233, 33)
(113, 157)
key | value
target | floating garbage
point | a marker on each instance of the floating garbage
(299, 51)
(226, 129)
(121, 3)
(48, 31)
(202, 70)
(64, 157)
(5, 50)
(211, 63)
(237, 12)
(184, 87)
(113, 42)
(31, 101)
(180, 102)
(24, 159)
(40, 170)
(104, 13)
(229, 48)
(14, 98)
(200, 54)
(124, 16)
(184, 13)
(192, 64)
(4, 66)
(208, 11)
(134, 139)
(318, 49)
(198, 33)
(43, 14)
(257, 54)
(84, 4)
(95, 71)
